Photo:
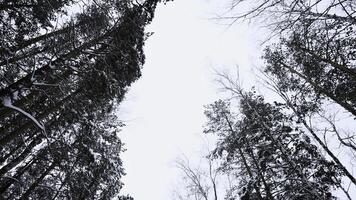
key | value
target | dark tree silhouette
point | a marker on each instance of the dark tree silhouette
(273, 156)
(60, 84)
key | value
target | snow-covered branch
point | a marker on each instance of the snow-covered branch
(8, 103)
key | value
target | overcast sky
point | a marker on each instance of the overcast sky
(164, 108)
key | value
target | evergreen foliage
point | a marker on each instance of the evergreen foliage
(310, 64)
(273, 156)
(61, 81)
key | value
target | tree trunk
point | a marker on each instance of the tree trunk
(34, 40)
(345, 105)
(321, 143)
(37, 182)
(22, 156)
(244, 161)
(30, 124)
(343, 68)
(6, 184)
(26, 82)
(260, 173)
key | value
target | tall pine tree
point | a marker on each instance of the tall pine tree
(61, 81)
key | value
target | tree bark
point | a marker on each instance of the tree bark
(26, 81)
(30, 124)
(10, 165)
(6, 184)
(321, 143)
(244, 161)
(37, 182)
(345, 105)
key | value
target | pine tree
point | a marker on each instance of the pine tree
(59, 91)
(274, 158)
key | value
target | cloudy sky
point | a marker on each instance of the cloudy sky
(164, 109)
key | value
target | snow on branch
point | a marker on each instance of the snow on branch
(44, 84)
(8, 103)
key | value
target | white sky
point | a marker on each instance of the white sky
(163, 110)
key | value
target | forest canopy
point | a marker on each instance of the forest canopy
(288, 148)
(65, 65)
